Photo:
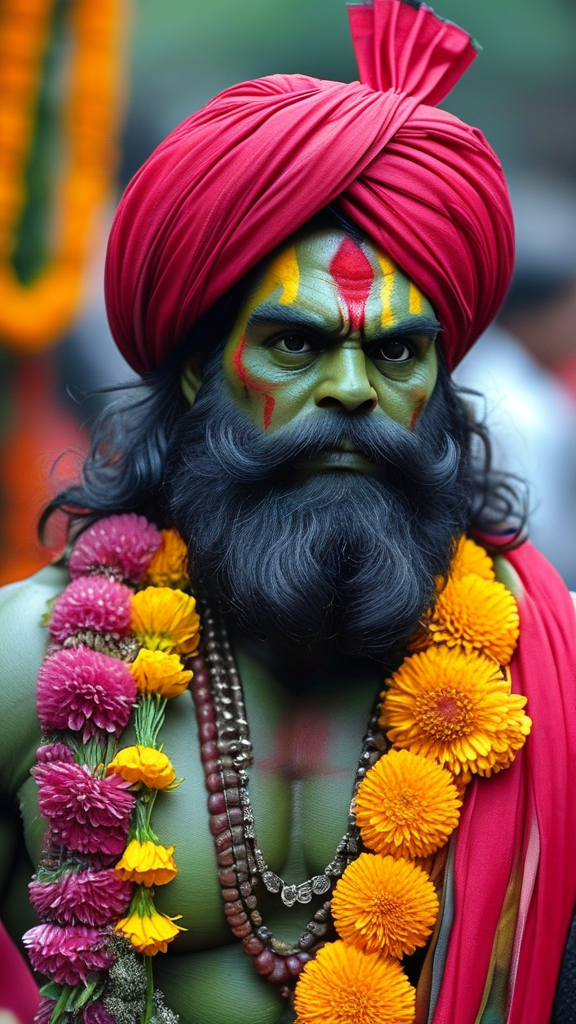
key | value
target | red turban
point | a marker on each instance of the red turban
(244, 172)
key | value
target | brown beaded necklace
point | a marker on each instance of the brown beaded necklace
(226, 752)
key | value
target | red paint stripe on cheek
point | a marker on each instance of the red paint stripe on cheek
(416, 414)
(252, 384)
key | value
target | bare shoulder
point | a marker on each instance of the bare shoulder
(23, 642)
(506, 574)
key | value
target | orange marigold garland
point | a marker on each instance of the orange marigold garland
(449, 714)
(115, 658)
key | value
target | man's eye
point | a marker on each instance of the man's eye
(295, 343)
(393, 350)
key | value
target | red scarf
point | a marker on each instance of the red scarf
(515, 861)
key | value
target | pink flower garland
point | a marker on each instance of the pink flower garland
(92, 603)
(95, 898)
(85, 699)
(83, 690)
(68, 955)
(85, 813)
(120, 545)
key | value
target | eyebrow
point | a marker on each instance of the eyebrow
(273, 313)
(415, 325)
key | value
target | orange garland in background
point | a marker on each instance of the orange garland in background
(33, 316)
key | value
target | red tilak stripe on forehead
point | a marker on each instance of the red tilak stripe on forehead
(353, 276)
(252, 383)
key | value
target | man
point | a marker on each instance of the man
(294, 270)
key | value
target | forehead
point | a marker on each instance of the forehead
(329, 268)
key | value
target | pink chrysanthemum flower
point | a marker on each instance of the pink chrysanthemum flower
(92, 603)
(85, 813)
(95, 898)
(96, 1013)
(44, 1011)
(49, 753)
(123, 544)
(83, 689)
(67, 955)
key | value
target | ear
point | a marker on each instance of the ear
(190, 378)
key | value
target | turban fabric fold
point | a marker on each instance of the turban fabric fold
(243, 173)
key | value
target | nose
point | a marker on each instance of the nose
(344, 381)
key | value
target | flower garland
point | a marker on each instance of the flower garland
(449, 714)
(31, 316)
(119, 630)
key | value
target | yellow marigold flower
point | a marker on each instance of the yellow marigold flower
(157, 672)
(342, 985)
(149, 933)
(165, 620)
(169, 564)
(143, 764)
(456, 708)
(406, 805)
(471, 558)
(147, 863)
(384, 904)
(478, 614)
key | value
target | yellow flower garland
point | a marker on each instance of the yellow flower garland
(32, 316)
(449, 714)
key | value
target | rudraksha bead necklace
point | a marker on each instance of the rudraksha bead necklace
(226, 752)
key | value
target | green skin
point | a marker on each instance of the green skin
(313, 706)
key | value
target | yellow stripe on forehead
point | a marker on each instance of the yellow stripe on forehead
(283, 272)
(388, 268)
(415, 299)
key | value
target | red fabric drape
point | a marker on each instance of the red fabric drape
(497, 821)
(18, 990)
(239, 176)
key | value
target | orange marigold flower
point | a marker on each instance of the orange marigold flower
(151, 932)
(342, 985)
(471, 558)
(479, 614)
(384, 904)
(406, 805)
(157, 672)
(456, 708)
(147, 863)
(165, 620)
(169, 564)
(143, 764)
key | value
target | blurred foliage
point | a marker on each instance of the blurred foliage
(520, 91)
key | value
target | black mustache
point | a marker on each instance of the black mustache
(248, 455)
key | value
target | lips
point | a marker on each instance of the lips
(342, 456)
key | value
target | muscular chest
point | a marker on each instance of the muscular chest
(306, 753)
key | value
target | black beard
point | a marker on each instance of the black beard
(337, 554)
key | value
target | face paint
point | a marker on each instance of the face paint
(283, 271)
(286, 271)
(353, 275)
(388, 269)
(415, 299)
(282, 364)
(421, 402)
(251, 384)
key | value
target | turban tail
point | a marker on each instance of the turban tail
(244, 172)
